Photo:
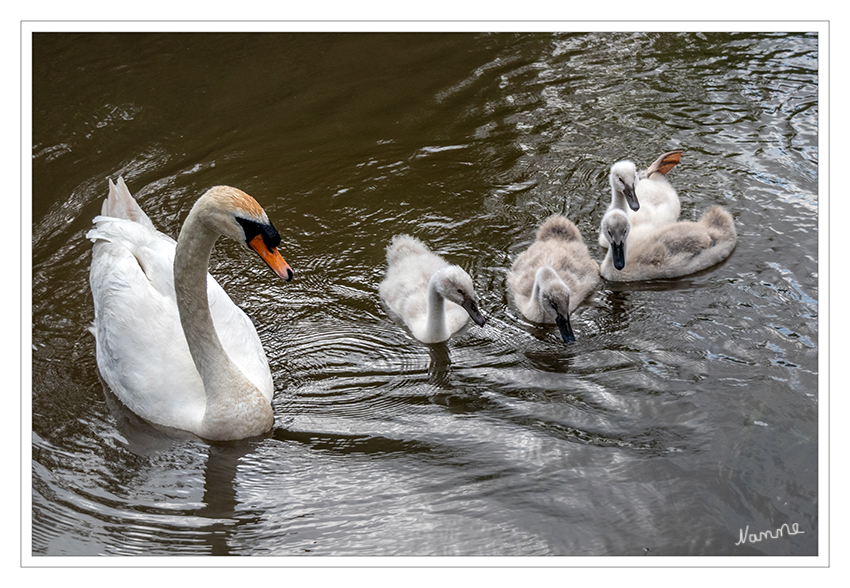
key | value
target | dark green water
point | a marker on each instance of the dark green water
(685, 411)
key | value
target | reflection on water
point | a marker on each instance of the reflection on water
(685, 411)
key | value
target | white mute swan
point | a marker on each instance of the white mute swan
(549, 279)
(171, 345)
(648, 198)
(675, 250)
(433, 298)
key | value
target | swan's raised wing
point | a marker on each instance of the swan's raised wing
(664, 163)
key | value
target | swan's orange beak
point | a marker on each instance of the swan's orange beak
(272, 257)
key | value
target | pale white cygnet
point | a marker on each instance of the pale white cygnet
(647, 197)
(434, 299)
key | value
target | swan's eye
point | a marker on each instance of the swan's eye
(271, 237)
(460, 291)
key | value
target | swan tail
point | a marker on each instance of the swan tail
(121, 204)
(402, 246)
(721, 228)
(123, 221)
(719, 224)
(558, 227)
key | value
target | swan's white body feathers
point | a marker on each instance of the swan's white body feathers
(659, 202)
(142, 352)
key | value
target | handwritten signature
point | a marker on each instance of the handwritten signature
(745, 535)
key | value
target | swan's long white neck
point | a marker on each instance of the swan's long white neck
(537, 290)
(225, 385)
(435, 321)
(191, 263)
(618, 199)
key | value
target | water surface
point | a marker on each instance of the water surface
(685, 411)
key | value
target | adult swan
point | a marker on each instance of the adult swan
(171, 345)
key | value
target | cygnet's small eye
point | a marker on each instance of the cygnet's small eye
(460, 291)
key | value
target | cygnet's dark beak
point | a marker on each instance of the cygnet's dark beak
(471, 308)
(563, 323)
(631, 197)
(618, 254)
